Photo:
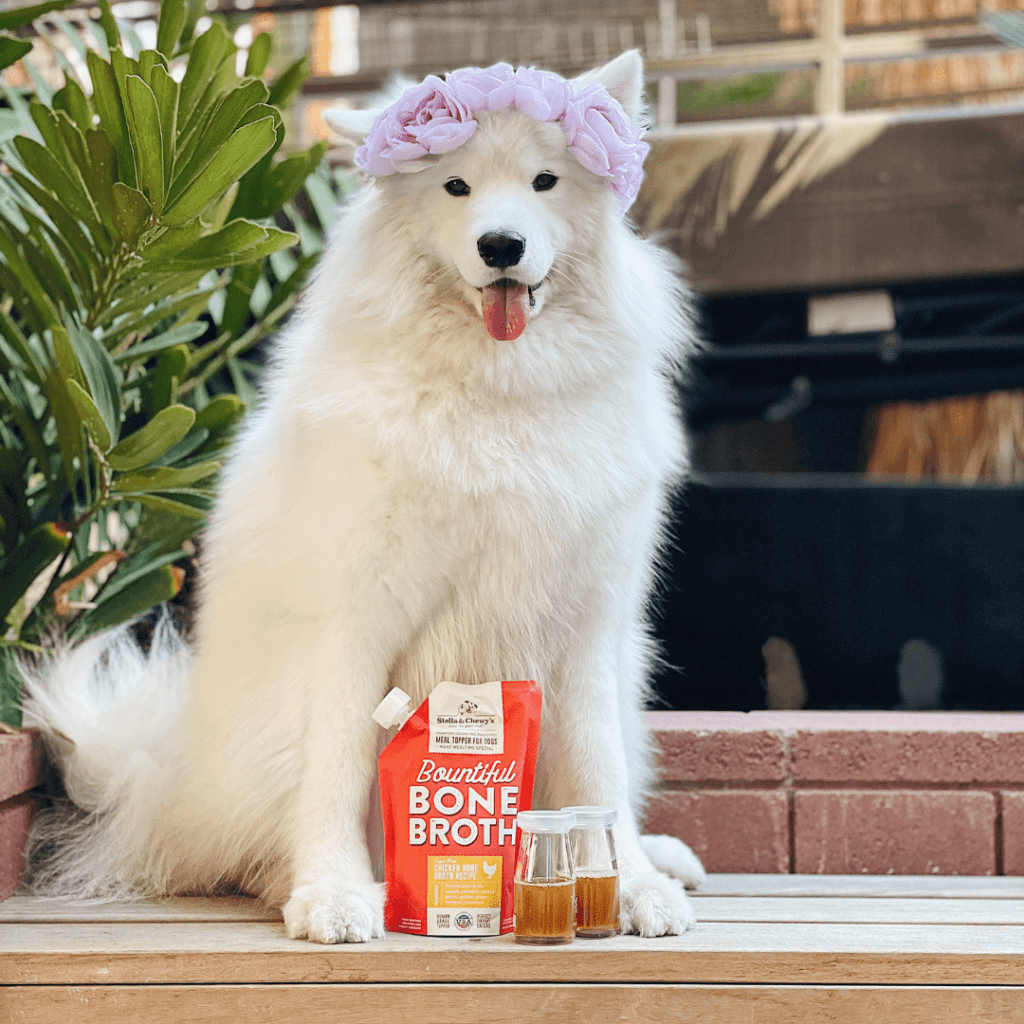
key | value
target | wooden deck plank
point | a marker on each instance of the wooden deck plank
(805, 909)
(748, 952)
(509, 1004)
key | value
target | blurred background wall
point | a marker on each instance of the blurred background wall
(842, 180)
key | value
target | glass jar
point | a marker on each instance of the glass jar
(592, 847)
(545, 893)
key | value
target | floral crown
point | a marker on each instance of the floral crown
(438, 116)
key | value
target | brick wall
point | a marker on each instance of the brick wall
(20, 763)
(822, 792)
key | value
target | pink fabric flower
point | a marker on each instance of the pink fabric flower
(437, 117)
(426, 118)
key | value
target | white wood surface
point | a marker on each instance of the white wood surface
(770, 948)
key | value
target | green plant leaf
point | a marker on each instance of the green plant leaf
(26, 15)
(166, 428)
(73, 100)
(27, 560)
(107, 99)
(10, 685)
(237, 155)
(102, 376)
(260, 50)
(169, 373)
(209, 52)
(165, 89)
(64, 353)
(90, 414)
(177, 335)
(131, 211)
(178, 508)
(12, 50)
(220, 414)
(146, 139)
(226, 117)
(146, 592)
(169, 29)
(237, 242)
(163, 478)
(110, 29)
(287, 85)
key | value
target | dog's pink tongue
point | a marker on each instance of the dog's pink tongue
(506, 310)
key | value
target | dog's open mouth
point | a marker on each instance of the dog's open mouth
(506, 307)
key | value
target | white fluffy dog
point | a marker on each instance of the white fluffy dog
(416, 499)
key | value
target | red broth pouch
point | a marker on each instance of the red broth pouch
(451, 782)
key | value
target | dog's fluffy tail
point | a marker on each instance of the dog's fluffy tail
(110, 716)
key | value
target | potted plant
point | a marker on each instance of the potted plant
(140, 259)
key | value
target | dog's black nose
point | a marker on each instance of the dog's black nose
(501, 250)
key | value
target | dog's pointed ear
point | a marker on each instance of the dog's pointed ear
(350, 126)
(624, 79)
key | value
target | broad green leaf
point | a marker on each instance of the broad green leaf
(26, 15)
(159, 503)
(238, 296)
(132, 213)
(209, 52)
(260, 50)
(166, 428)
(169, 373)
(102, 376)
(101, 173)
(238, 154)
(175, 336)
(172, 21)
(287, 85)
(64, 354)
(72, 99)
(149, 61)
(147, 140)
(12, 49)
(11, 332)
(165, 89)
(163, 478)
(280, 183)
(220, 414)
(90, 414)
(107, 99)
(240, 241)
(10, 685)
(52, 176)
(64, 221)
(195, 439)
(150, 590)
(26, 279)
(28, 560)
(110, 28)
(226, 117)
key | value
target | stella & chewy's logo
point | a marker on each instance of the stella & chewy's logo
(466, 719)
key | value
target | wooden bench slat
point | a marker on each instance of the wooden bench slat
(818, 909)
(508, 1004)
(749, 952)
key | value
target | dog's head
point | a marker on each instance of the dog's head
(505, 218)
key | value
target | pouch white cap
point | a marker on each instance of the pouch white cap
(394, 709)
(545, 821)
(594, 817)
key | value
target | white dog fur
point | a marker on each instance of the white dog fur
(412, 501)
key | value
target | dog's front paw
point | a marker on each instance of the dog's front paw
(675, 858)
(654, 904)
(334, 911)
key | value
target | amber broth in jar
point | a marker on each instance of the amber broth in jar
(545, 912)
(597, 906)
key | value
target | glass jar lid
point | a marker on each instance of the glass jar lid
(545, 821)
(593, 817)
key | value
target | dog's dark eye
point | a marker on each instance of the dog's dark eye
(543, 182)
(456, 187)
